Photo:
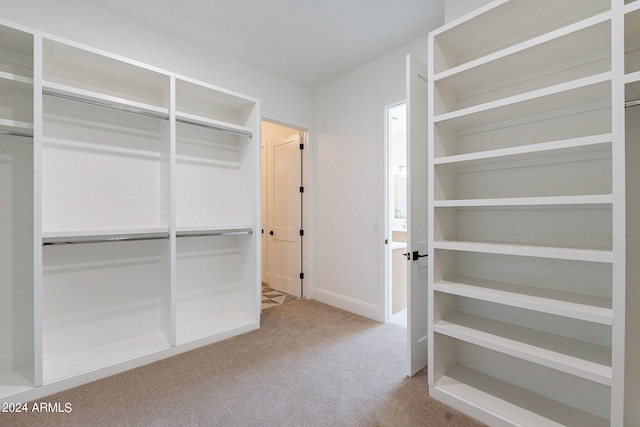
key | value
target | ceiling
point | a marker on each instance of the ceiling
(309, 42)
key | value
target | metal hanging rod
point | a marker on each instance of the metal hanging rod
(97, 239)
(213, 233)
(633, 103)
(214, 127)
(106, 104)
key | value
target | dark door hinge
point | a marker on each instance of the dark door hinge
(302, 146)
(302, 232)
(302, 275)
(302, 189)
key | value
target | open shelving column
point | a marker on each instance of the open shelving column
(16, 211)
(527, 249)
(632, 152)
(105, 211)
(216, 207)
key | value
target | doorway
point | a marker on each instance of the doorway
(282, 208)
(397, 207)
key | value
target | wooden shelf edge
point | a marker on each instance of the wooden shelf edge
(590, 255)
(538, 148)
(16, 128)
(574, 310)
(103, 356)
(632, 78)
(12, 382)
(457, 327)
(12, 77)
(512, 405)
(216, 327)
(599, 199)
(523, 46)
(631, 7)
(534, 95)
(213, 124)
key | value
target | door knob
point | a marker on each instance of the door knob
(271, 232)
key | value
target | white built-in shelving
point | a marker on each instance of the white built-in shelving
(527, 249)
(632, 212)
(135, 236)
(17, 329)
(216, 174)
(632, 38)
(16, 82)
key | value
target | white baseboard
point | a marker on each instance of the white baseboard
(349, 304)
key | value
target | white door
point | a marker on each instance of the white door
(417, 220)
(263, 191)
(285, 215)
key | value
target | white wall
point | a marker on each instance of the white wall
(349, 182)
(83, 22)
(454, 9)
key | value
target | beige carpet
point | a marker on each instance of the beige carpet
(308, 365)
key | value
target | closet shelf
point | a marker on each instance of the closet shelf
(578, 92)
(632, 6)
(16, 128)
(588, 200)
(632, 77)
(589, 255)
(213, 231)
(11, 382)
(476, 34)
(593, 143)
(513, 404)
(103, 100)
(103, 236)
(15, 78)
(565, 45)
(579, 358)
(550, 301)
(214, 326)
(104, 356)
(216, 125)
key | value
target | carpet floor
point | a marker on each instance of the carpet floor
(308, 365)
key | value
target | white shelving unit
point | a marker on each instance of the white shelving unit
(16, 211)
(216, 175)
(527, 252)
(16, 82)
(140, 189)
(105, 211)
(632, 154)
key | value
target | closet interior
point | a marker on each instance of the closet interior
(130, 214)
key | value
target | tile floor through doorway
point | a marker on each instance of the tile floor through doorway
(271, 297)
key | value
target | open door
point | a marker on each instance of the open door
(417, 220)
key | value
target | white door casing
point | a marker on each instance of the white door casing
(417, 219)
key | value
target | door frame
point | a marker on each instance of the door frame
(304, 128)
